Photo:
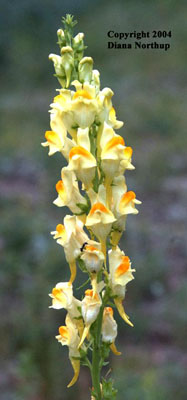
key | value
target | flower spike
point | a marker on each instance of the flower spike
(92, 185)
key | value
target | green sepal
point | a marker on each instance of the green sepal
(105, 363)
(81, 265)
(82, 352)
(108, 391)
(78, 318)
(83, 207)
(76, 358)
(88, 201)
(81, 213)
(95, 181)
(108, 243)
(59, 76)
(84, 284)
(99, 275)
(94, 394)
(105, 350)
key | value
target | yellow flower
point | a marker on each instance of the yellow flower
(120, 275)
(90, 307)
(54, 141)
(100, 218)
(128, 202)
(84, 104)
(112, 119)
(60, 111)
(68, 191)
(107, 112)
(68, 336)
(111, 156)
(62, 297)
(120, 271)
(109, 326)
(57, 139)
(81, 160)
(123, 202)
(115, 156)
(77, 108)
(93, 256)
(126, 160)
(105, 104)
(71, 236)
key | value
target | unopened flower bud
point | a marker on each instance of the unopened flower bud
(78, 45)
(61, 37)
(79, 38)
(60, 73)
(96, 80)
(85, 69)
(67, 62)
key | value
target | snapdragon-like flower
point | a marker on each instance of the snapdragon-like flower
(93, 256)
(71, 236)
(120, 275)
(109, 329)
(68, 191)
(68, 336)
(81, 161)
(77, 108)
(83, 127)
(54, 141)
(109, 326)
(57, 139)
(124, 203)
(90, 309)
(100, 218)
(62, 297)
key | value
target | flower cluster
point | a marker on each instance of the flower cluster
(83, 128)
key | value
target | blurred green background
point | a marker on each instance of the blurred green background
(149, 88)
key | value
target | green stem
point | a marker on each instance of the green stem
(96, 355)
(96, 373)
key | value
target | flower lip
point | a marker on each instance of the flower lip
(80, 151)
(123, 267)
(108, 310)
(115, 141)
(127, 197)
(112, 112)
(60, 229)
(82, 93)
(58, 97)
(128, 151)
(59, 186)
(63, 332)
(89, 293)
(90, 248)
(98, 207)
(56, 292)
(51, 137)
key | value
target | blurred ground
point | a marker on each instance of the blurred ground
(150, 97)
